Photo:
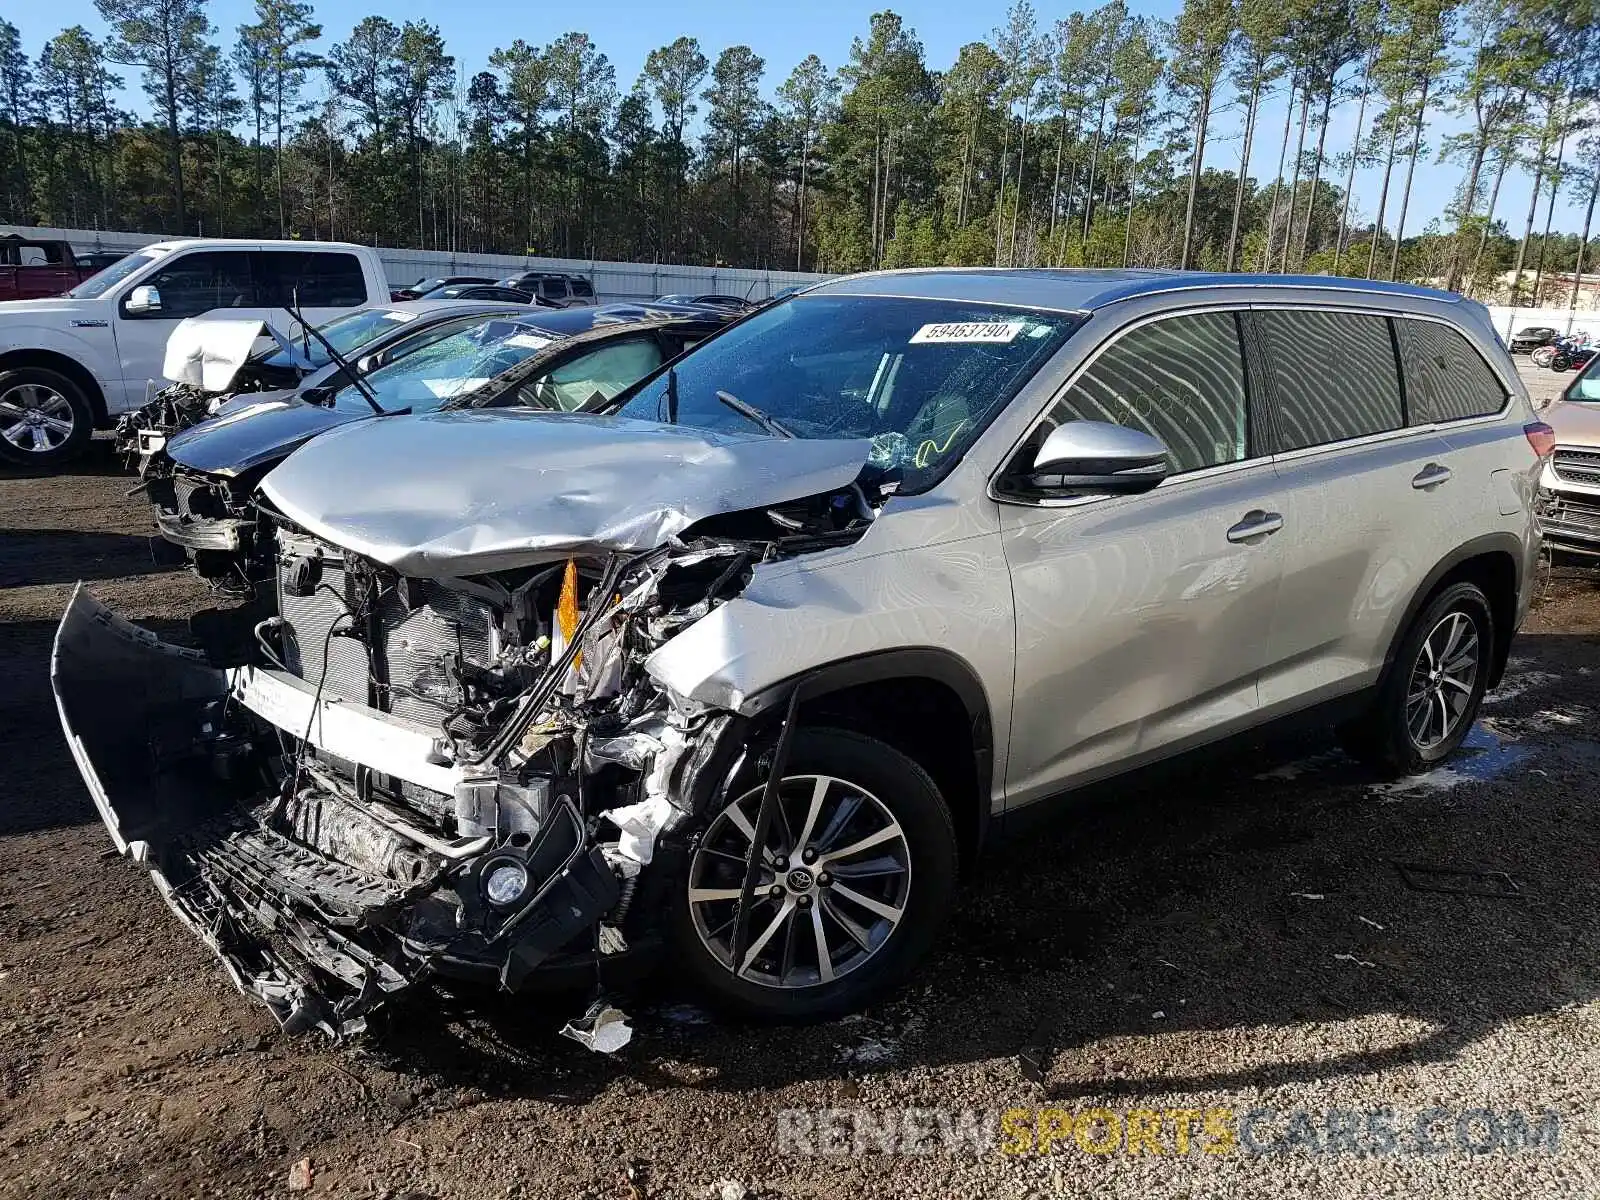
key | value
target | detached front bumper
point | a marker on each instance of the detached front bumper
(321, 896)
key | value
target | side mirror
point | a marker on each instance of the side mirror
(1089, 458)
(143, 299)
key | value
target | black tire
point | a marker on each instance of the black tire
(1384, 736)
(905, 791)
(1561, 362)
(34, 402)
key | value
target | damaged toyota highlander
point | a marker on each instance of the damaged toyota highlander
(740, 670)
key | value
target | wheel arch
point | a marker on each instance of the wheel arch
(1492, 562)
(926, 702)
(64, 364)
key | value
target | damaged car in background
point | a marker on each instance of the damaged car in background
(1570, 485)
(212, 358)
(202, 484)
(734, 670)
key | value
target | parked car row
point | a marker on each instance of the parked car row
(572, 641)
(83, 337)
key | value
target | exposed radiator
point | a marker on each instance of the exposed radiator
(421, 629)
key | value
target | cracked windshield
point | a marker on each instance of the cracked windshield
(920, 378)
(346, 334)
(450, 367)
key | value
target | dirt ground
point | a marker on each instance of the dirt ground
(1237, 937)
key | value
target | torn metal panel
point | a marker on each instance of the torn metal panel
(507, 488)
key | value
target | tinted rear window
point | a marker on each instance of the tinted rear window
(580, 287)
(1334, 375)
(316, 279)
(1446, 379)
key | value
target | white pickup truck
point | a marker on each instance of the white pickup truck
(72, 364)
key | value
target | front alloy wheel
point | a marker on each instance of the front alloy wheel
(853, 882)
(833, 883)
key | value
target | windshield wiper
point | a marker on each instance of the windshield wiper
(771, 424)
(349, 371)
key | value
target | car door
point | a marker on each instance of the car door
(1141, 621)
(1367, 498)
(188, 284)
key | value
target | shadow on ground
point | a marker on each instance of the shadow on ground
(1229, 900)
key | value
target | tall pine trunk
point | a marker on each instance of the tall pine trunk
(1411, 170)
(1202, 119)
(1022, 163)
(1583, 242)
(1316, 175)
(1294, 177)
(1094, 163)
(1277, 184)
(1383, 199)
(1355, 155)
(1244, 169)
(1488, 216)
(1533, 212)
(1549, 213)
(1133, 194)
(1055, 189)
(1000, 198)
(175, 152)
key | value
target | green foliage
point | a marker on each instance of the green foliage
(1088, 140)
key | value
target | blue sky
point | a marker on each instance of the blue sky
(784, 33)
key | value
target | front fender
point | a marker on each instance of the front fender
(97, 355)
(795, 619)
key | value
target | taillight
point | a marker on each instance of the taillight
(1541, 437)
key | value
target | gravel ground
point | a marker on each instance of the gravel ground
(1236, 938)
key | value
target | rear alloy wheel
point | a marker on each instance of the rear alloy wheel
(855, 878)
(1431, 697)
(45, 419)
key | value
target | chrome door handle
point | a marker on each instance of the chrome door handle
(1255, 523)
(1431, 475)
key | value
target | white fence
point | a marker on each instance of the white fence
(612, 280)
(644, 281)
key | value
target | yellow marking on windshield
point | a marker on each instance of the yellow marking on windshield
(930, 448)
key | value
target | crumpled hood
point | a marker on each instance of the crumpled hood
(461, 493)
(252, 429)
(1575, 424)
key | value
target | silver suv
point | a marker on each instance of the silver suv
(742, 667)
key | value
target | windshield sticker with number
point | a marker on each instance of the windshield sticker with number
(999, 332)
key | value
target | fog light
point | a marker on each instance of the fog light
(504, 884)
